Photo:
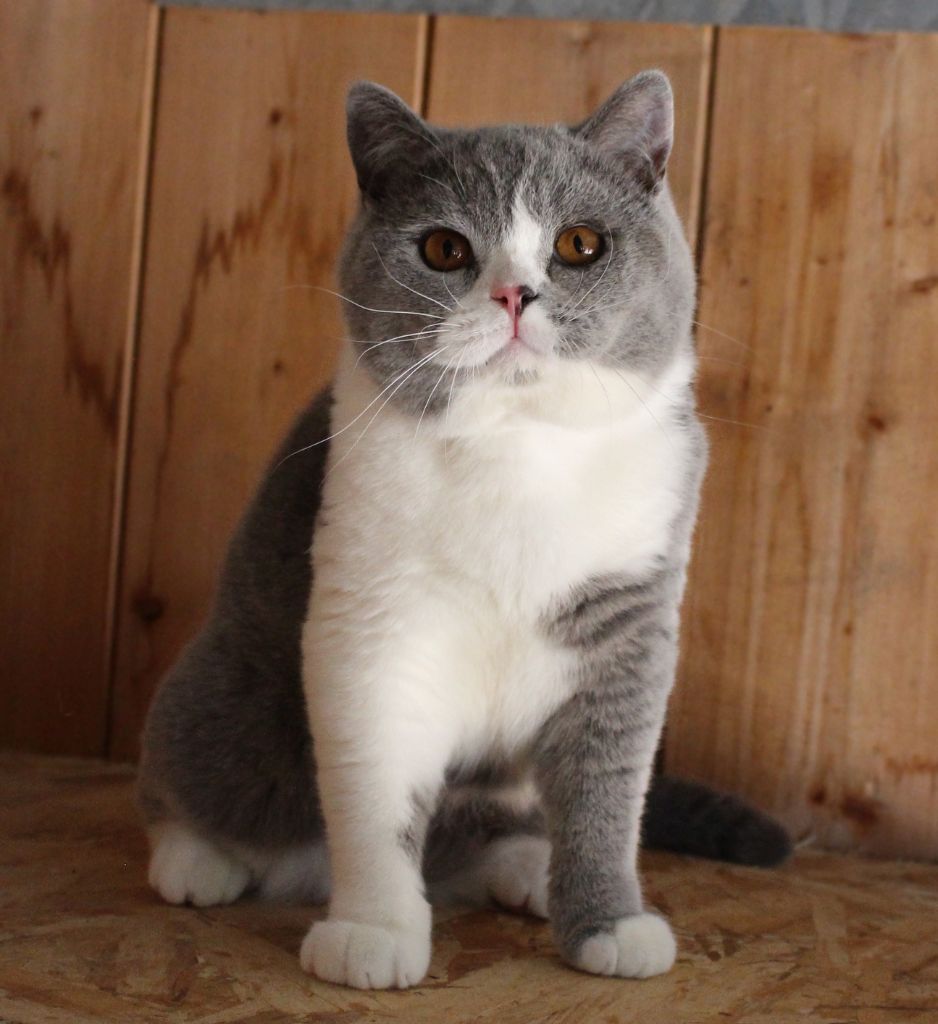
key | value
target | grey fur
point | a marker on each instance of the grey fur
(226, 745)
(594, 755)
(227, 749)
(416, 177)
(239, 682)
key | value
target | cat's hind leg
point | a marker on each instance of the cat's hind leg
(296, 875)
(513, 872)
(489, 846)
(188, 868)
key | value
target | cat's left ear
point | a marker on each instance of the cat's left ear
(383, 135)
(635, 126)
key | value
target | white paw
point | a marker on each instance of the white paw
(517, 872)
(639, 947)
(365, 955)
(187, 869)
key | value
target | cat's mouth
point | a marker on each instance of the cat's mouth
(518, 348)
(504, 352)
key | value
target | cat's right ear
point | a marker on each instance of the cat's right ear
(634, 128)
(383, 133)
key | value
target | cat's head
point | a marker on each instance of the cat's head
(492, 254)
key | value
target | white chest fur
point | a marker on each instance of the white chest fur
(451, 542)
(529, 490)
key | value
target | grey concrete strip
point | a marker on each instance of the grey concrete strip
(835, 15)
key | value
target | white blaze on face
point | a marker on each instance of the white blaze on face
(521, 259)
(524, 261)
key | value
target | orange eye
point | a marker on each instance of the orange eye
(446, 250)
(579, 245)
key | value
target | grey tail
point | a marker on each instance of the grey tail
(688, 817)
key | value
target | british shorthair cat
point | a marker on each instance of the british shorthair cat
(446, 631)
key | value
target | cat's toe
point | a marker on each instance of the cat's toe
(638, 947)
(517, 869)
(365, 956)
(185, 868)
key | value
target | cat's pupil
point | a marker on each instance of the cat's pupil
(448, 249)
(578, 244)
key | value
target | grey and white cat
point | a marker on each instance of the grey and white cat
(465, 690)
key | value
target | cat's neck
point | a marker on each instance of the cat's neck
(565, 396)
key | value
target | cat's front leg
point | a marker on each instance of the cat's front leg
(594, 758)
(381, 747)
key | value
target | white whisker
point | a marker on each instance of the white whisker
(612, 252)
(450, 293)
(398, 383)
(352, 422)
(426, 404)
(625, 380)
(728, 337)
(449, 403)
(443, 184)
(706, 416)
(371, 309)
(442, 305)
(440, 150)
(563, 309)
(430, 331)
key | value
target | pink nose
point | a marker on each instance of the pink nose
(514, 297)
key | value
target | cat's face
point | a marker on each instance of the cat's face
(494, 253)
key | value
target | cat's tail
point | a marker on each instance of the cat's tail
(686, 817)
(689, 817)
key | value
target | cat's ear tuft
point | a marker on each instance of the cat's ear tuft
(383, 132)
(635, 126)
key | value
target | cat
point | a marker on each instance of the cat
(499, 488)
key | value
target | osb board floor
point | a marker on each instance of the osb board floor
(827, 939)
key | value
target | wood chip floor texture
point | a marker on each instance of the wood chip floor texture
(826, 940)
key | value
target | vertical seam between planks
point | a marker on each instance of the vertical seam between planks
(149, 101)
(705, 144)
(697, 216)
(425, 42)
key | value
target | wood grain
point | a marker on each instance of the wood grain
(251, 193)
(810, 670)
(494, 70)
(829, 939)
(73, 78)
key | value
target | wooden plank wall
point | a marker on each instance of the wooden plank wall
(801, 163)
(810, 671)
(74, 79)
(251, 192)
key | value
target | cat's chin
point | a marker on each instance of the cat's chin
(513, 372)
(516, 364)
(518, 376)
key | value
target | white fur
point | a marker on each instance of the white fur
(187, 868)
(184, 868)
(366, 956)
(522, 259)
(516, 873)
(424, 641)
(483, 327)
(639, 947)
